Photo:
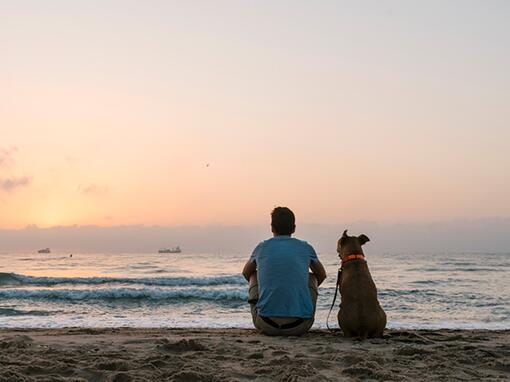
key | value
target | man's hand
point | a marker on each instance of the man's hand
(249, 268)
(319, 271)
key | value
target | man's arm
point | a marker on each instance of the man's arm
(249, 268)
(318, 270)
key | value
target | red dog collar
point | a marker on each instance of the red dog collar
(358, 256)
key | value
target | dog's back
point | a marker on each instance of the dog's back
(360, 313)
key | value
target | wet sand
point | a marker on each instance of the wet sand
(126, 354)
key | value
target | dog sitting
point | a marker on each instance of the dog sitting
(360, 314)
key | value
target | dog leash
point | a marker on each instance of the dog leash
(337, 286)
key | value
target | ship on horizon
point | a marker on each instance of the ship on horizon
(170, 250)
(44, 250)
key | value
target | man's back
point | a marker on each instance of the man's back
(282, 273)
(282, 294)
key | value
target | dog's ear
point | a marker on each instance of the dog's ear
(363, 239)
(343, 238)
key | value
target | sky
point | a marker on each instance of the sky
(174, 113)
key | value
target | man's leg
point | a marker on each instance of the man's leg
(313, 285)
(253, 296)
(253, 279)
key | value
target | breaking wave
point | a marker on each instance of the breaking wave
(17, 279)
(108, 294)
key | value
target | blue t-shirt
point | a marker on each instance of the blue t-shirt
(282, 275)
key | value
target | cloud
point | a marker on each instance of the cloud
(10, 184)
(93, 190)
(6, 156)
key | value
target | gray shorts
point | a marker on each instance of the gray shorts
(265, 328)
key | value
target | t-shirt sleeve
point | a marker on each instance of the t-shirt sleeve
(313, 254)
(255, 253)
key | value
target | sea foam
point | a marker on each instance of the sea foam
(169, 295)
(19, 279)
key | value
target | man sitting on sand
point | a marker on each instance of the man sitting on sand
(283, 293)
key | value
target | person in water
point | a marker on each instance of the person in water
(282, 292)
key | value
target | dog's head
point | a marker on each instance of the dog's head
(351, 245)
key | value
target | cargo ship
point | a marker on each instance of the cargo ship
(170, 250)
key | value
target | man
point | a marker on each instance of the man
(283, 293)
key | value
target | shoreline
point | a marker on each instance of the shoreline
(202, 354)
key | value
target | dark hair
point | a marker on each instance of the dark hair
(283, 221)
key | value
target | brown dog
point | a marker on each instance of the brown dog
(360, 314)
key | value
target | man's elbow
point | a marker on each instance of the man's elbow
(248, 270)
(319, 272)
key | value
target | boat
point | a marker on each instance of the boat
(170, 250)
(44, 250)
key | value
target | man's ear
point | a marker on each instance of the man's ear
(363, 239)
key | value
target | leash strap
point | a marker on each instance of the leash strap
(337, 286)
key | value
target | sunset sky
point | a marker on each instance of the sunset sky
(214, 112)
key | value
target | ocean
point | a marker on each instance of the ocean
(417, 290)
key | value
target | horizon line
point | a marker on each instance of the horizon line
(251, 225)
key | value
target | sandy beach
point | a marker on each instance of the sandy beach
(239, 355)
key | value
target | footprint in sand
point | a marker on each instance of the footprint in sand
(121, 377)
(18, 341)
(113, 365)
(411, 351)
(360, 372)
(193, 376)
(183, 345)
(350, 360)
(296, 372)
(279, 352)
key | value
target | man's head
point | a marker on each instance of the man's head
(283, 221)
